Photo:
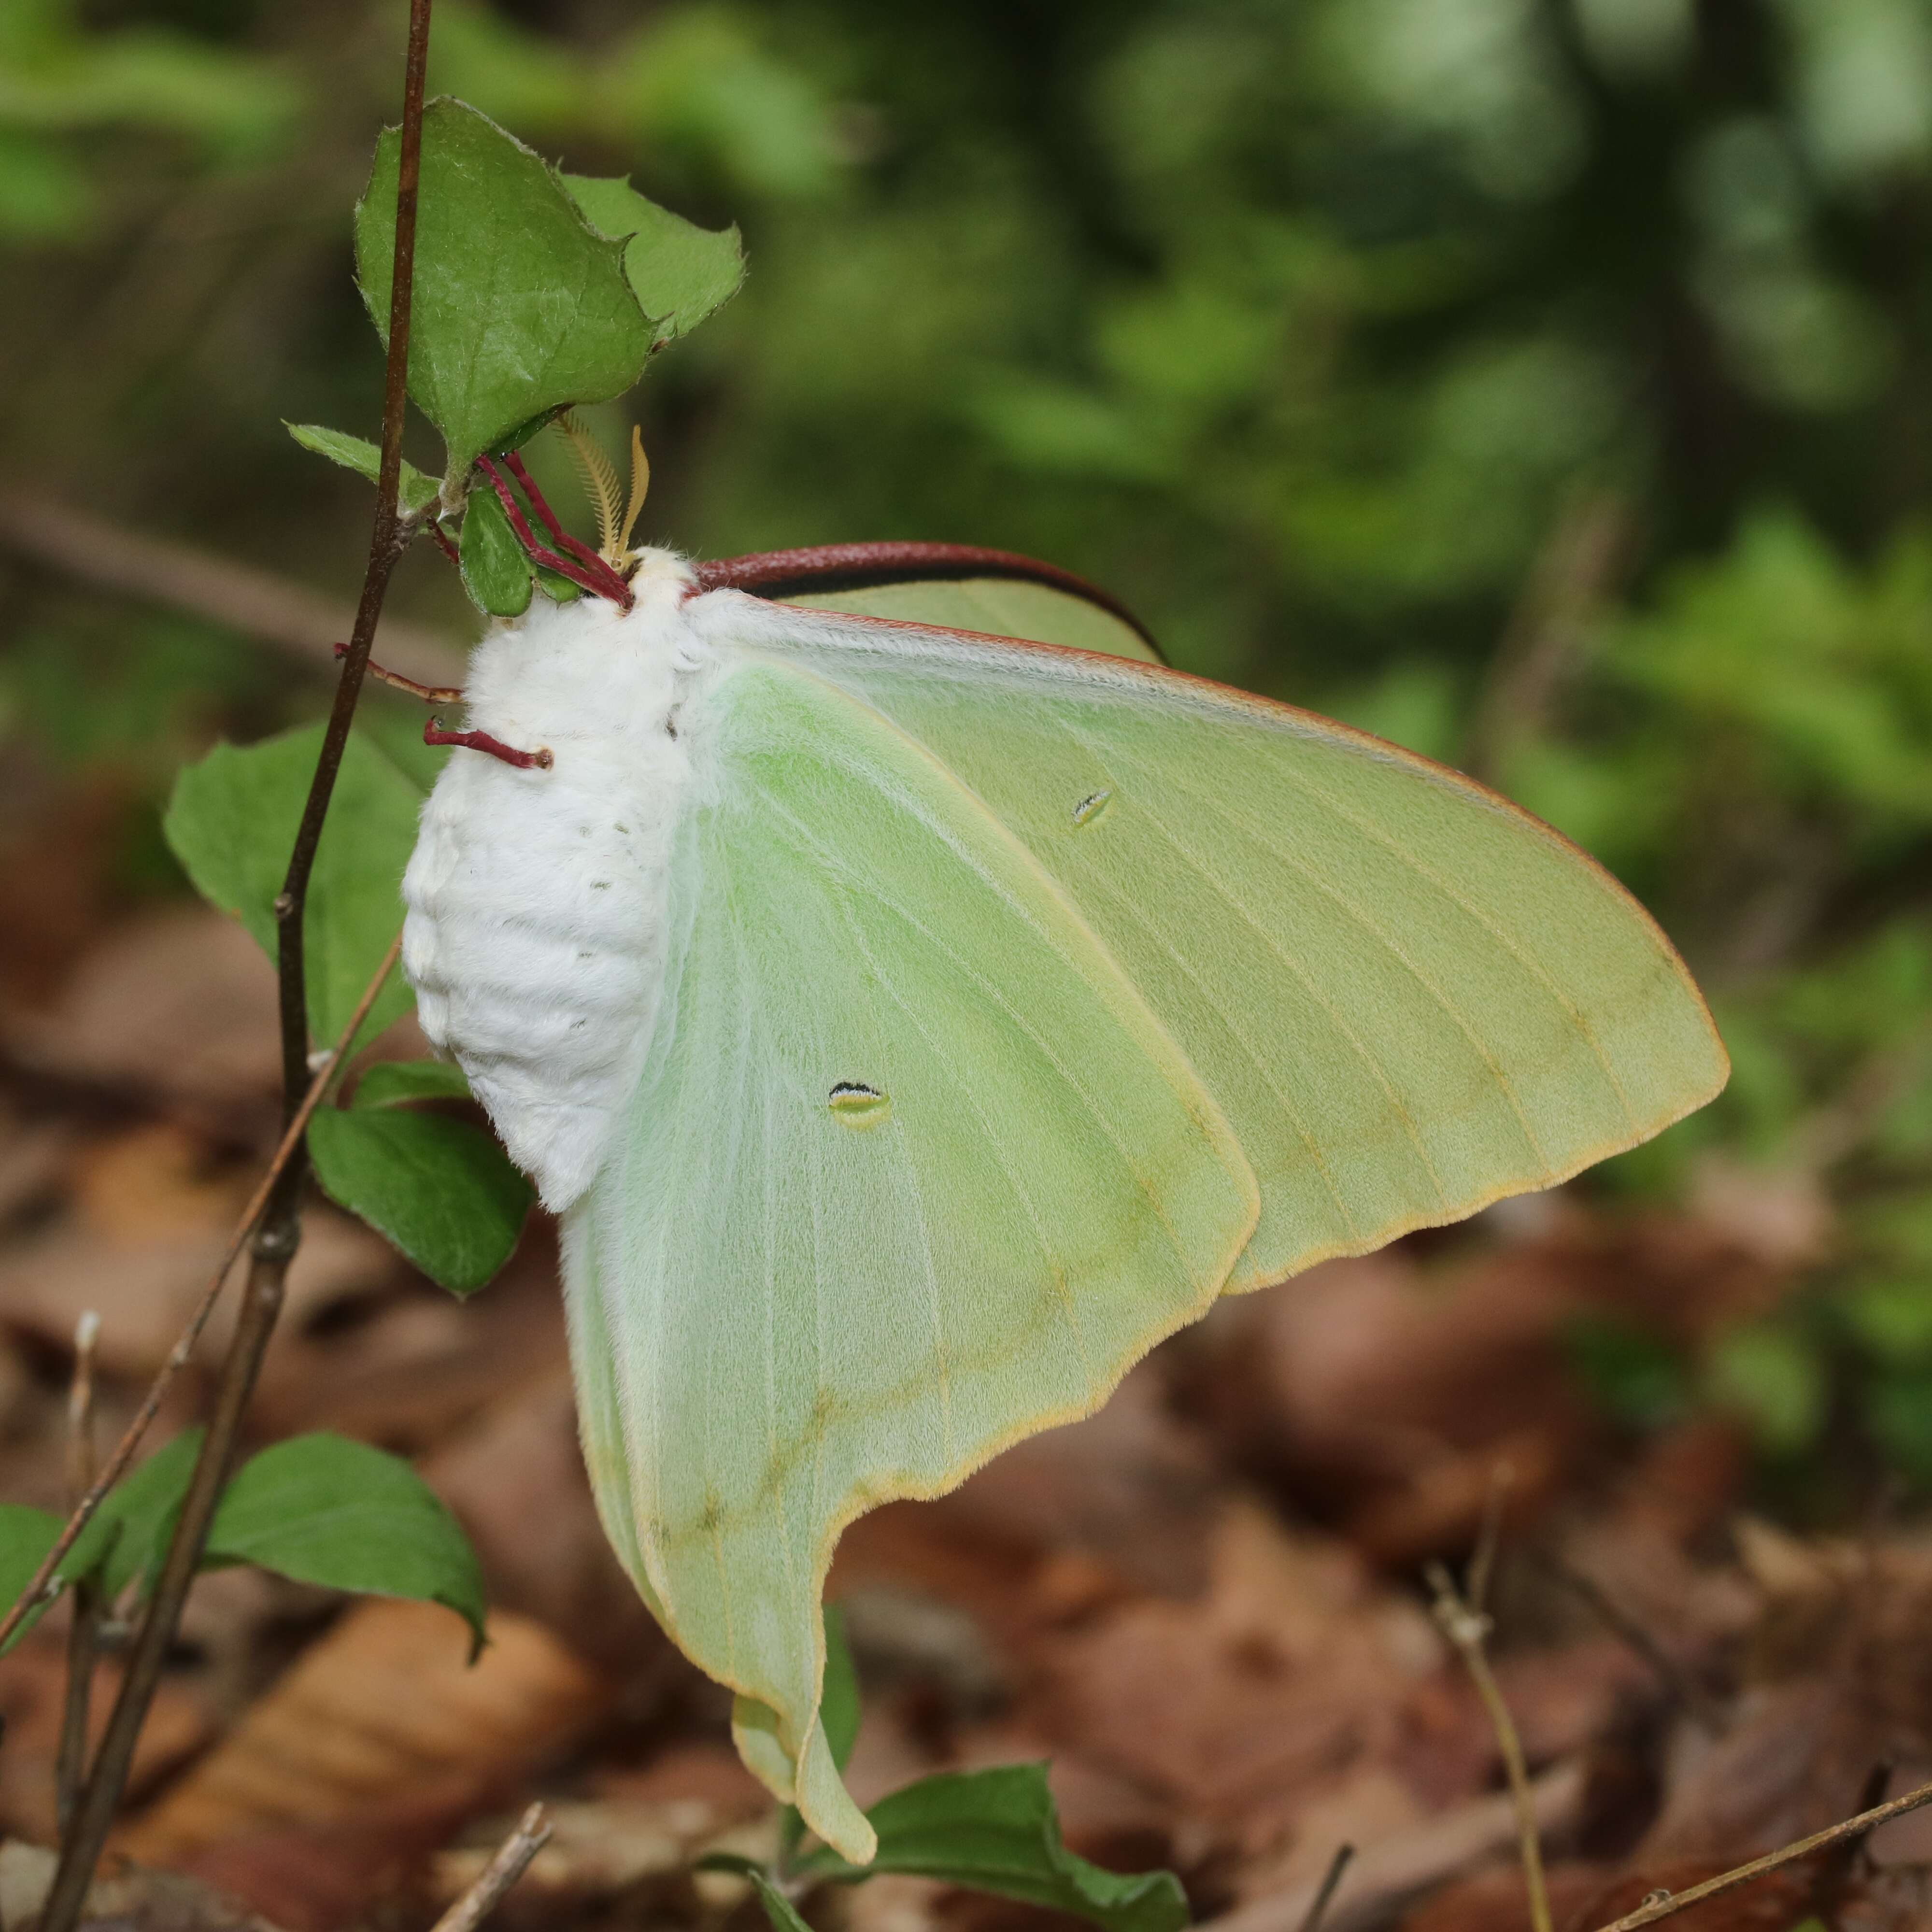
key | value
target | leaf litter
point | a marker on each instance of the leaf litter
(1201, 1608)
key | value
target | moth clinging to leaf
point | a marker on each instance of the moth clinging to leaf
(916, 1001)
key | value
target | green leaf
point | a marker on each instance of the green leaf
(679, 271)
(782, 1914)
(416, 492)
(997, 1831)
(324, 1509)
(124, 1540)
(519, 306)
(26, 1535)
(838, 1699)
(440, 1190)
(129, 1534)
(496, 567)
(231, 822)
(391, 1082)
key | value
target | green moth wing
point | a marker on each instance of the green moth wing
(1408, 997)
(952, 586)
(911, 1171)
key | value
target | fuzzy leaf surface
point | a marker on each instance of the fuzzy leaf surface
(440, 1191)
(519, 307)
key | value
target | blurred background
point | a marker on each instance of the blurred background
(1546, 385)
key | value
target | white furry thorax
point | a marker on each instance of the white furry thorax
(538, 899)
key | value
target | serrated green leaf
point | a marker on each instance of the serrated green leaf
(231, 822)
(997, 1831)
(391, 1082)
(496, 567)
(442, 1192)
(519, 306)
(26, 1535)
(679, 271)
(415, 492)
(324, 1509)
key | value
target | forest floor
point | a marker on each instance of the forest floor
(1205, 1606)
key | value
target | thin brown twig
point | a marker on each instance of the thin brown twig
(178, 576)
(512, 1859)
(1468, 1630)
(429, 693)
(1488, 1539)
(41, 1585)
(278, 1233)
(1653, 1911)
(1547, 635)
(1679, 1685)
(83, 1635)
(1318, 1906)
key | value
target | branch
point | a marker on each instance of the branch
(512, 1859)
(1466, 1627)
(42, 1586)
(1672, 1903)
(83, 1635)
(159, 570)
(280, 1232)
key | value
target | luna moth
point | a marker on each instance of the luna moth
(917, 1001)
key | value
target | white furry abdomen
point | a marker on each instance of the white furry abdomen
(537, 899)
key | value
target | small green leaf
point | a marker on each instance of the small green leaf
(558, 589)
(838, 1701)
(997, 1831)
(782, 1914)
(496, 567)
(324, 1509)
(416, 492)
(129, 1534)
(519, 307)
(391, 1082)
(679, 271)
(26, 1535)
(442, 1191)
(231, 822)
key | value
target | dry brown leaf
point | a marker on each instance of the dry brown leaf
(1776, 1903)
(409, 1369)
(129, 1899)
(1497, 1901)
(515, 1479)
(33, 1680)
(143, 1286)
(1293, 1671)
(382, 1714)
(179, 1005)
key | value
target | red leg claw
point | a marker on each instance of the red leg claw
(481, 741)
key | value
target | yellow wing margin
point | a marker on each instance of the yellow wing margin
(1408, 997)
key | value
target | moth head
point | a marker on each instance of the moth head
(600, 483)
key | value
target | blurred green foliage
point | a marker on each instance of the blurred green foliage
(1545, 383)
